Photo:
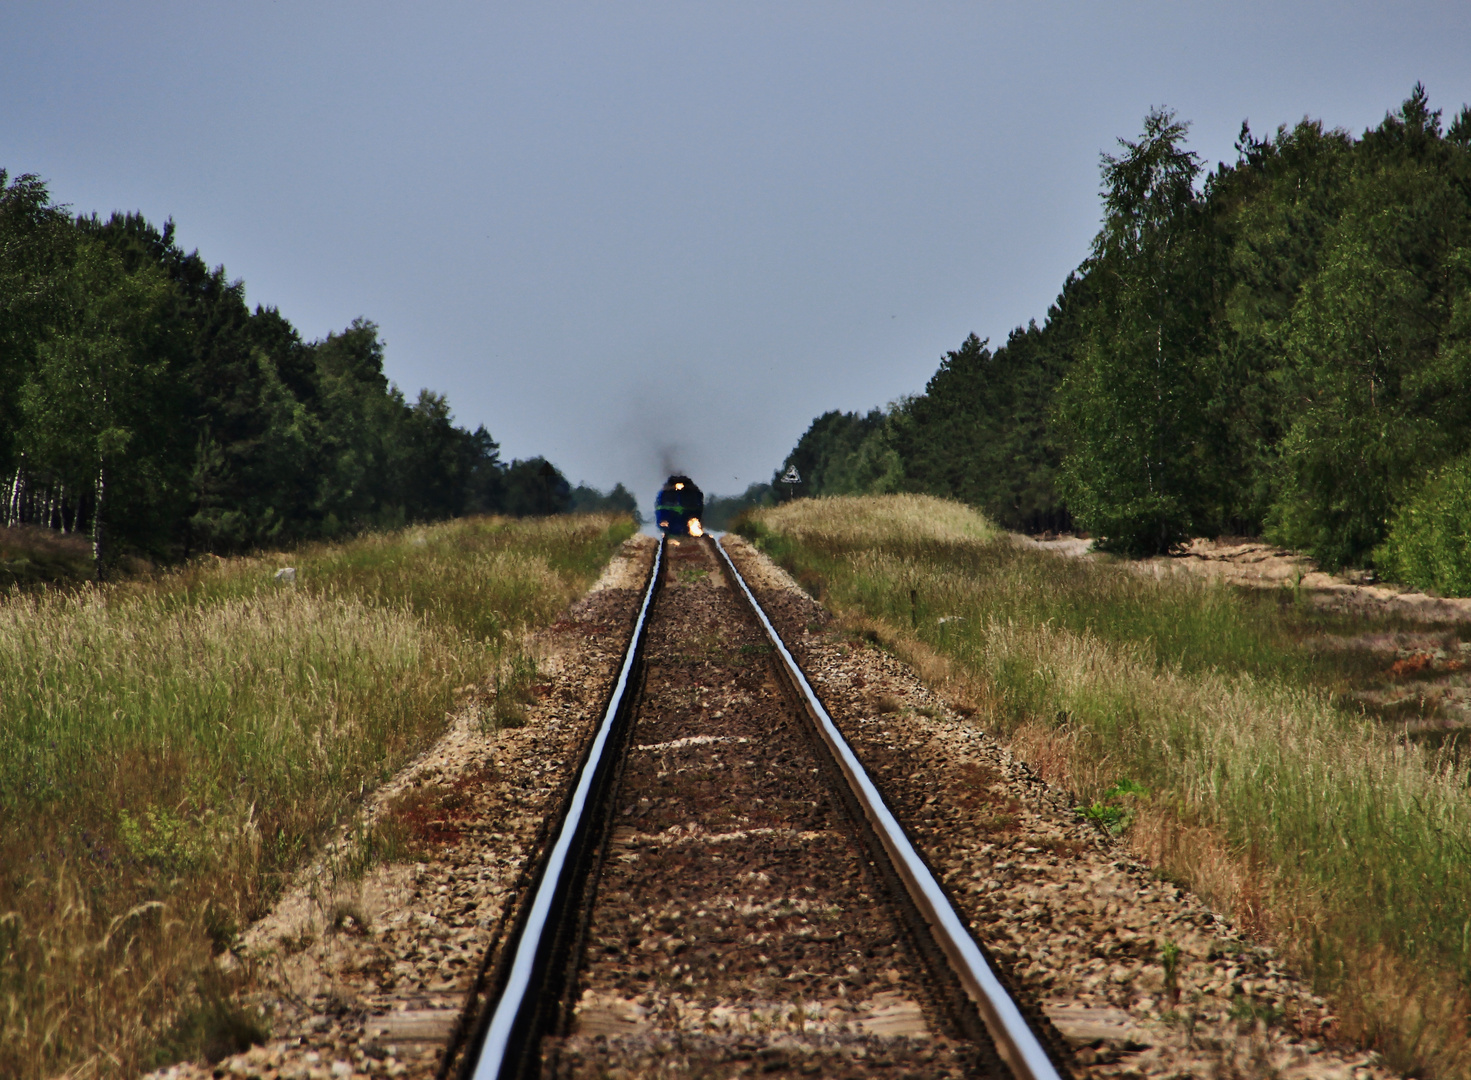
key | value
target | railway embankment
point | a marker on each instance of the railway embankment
(174, 747)
(1139, 973)
(738, 923)
(729, 934)
(365, 966)
(1213, 732)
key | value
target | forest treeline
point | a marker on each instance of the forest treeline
(1280, 347)
(143, 403)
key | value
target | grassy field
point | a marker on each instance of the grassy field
(173, 748)
(1193, 719)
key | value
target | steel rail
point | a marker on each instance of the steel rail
(1015, 1041)
(509, 1019)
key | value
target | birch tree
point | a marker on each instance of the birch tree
(1132, 405)
(96, 381)
(35, 245)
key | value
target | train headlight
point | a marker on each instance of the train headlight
(696, 529)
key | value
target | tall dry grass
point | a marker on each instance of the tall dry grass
(865, 520)
(171, 750)
(1309, 822)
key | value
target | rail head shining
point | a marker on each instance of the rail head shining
(1015, 1041)
(492, 1053)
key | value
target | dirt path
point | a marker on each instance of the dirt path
(1260, 565)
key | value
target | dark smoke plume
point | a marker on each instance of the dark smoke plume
(670, 457)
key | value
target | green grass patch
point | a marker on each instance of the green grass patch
(1115, 809)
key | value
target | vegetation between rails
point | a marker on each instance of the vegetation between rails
(173, 748)
(1192, 711)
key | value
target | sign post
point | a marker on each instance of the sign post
(791, 479)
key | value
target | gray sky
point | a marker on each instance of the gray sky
(626, 235)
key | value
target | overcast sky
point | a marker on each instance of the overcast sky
(633, 235)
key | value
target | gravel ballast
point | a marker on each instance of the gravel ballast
(1081, 926)
(699, 963)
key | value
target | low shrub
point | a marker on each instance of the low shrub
(31, 555)
(1429, 543)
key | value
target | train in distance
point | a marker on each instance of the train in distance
(679, 507)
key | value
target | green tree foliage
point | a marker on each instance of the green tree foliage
(142, 401)
(98, 383)
(1273, 211)
(982, 431)
(1134, 406)
(1378, 359)
(839, 454)
(536, 486)
(1279, 347)
(36, 245)
(589, 500)
(722, 510)
(1429, 542)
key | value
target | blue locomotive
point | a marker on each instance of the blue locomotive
(679, 507)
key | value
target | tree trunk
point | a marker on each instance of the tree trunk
(97, 519)
(17, 496)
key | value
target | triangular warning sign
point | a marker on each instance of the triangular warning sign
(790, 476)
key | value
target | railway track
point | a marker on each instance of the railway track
(733, 920)
(726, 892)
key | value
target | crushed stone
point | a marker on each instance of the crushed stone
(1080, 924)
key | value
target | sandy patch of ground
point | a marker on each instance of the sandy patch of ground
(1257, 564)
